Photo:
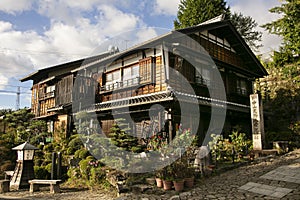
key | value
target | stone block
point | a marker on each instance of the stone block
(4, 186)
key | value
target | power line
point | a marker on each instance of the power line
(7, 85)
(18, 93)
(9, 91)
(3, 50)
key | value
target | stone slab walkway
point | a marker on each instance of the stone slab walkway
(266, 190)
(288, 173)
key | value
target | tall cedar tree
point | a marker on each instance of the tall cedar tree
(288, 27)
(194, 12)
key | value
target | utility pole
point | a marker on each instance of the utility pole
(18, 98)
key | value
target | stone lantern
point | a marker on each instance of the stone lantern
(24, 167)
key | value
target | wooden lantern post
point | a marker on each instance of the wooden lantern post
(24, 167)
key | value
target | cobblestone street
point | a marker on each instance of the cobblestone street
(267, 178)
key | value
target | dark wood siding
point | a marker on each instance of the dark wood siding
(64, 89)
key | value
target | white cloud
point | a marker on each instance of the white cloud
(12, 7)
(112, 20)
(164, 7)
(3, 81)
(82, 5)
(146, 34)
(68, 38)
(5, 26)
(259, 11)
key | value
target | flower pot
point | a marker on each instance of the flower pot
(167, 185)
(178, 185)
(189, 182)
(159, 182)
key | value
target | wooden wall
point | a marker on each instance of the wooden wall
(63, 93)
(41, 101)
(60, 127)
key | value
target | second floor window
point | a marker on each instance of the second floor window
(131, 75)
(146, 67)
(113, 80)
(203, 76)
(241, 87)
(50, 89)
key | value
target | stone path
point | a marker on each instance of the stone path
(286, 173)
(267, 190)
(272, 178)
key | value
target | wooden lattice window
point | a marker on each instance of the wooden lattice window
(146, 70)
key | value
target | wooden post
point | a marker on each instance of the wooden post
(59, 157)
(170, 130)
(53, 166)
(257, 122)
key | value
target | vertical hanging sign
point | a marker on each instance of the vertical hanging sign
(257, 122)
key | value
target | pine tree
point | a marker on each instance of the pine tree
(194, 12)
(245, 25)
(120, 136)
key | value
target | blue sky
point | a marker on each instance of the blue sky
(38, 34)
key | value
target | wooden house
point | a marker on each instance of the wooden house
(207, 66)
(52, 89)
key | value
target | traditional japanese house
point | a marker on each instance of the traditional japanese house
(208, 66)
(52, 93)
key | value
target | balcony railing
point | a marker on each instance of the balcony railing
(203, 81)
(120, 85)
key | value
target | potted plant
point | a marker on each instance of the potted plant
(178, 171)
(167, 177)
(167, 183)
(158, 178)
(189, 177)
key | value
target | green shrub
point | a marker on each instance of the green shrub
(85, 167)
(75, 142)
(81, 153)
(48, 167)
(48, 147)
(97, 175)
(40, 172)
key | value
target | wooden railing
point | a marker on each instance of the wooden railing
(120, 85)
(47, 95)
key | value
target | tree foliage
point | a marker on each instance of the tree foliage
(245, 25)
(22, 127)
(194, 12)
(288, 27)
(280, 91)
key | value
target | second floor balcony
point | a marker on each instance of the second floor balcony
(120, 85)
(47, 95)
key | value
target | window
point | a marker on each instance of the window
(50, 89)
(113, 80)
(50, 126)
(203, 76)
(131, 75)
(146, 70)
(241, 87)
